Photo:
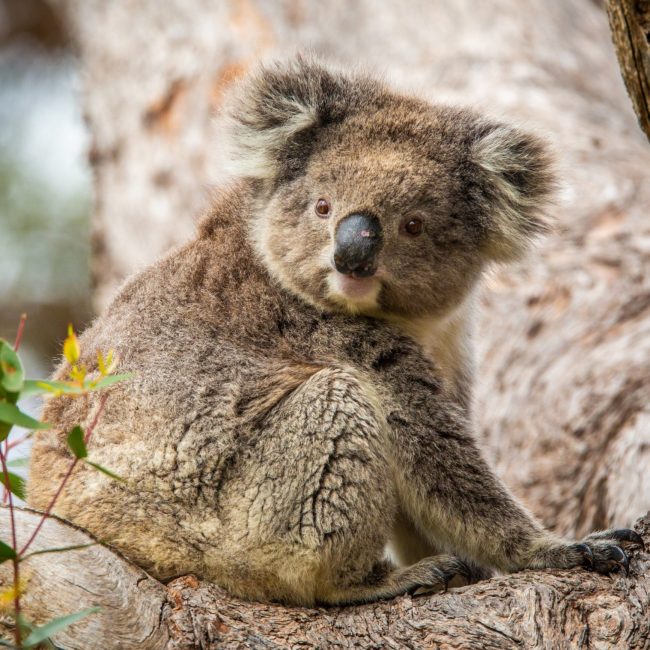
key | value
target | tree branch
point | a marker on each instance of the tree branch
(531, 609)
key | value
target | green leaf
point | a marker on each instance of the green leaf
(58, 549)
(25, 626)
(109, 380)
(105, 471)
(41, 387)
(76, 442)
(11, 414)
(16, 484)
(12, 374)
(40, 634)
(6, 552)
(18, 462)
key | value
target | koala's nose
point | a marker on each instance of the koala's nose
(357, 241)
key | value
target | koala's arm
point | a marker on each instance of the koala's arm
(450, 493)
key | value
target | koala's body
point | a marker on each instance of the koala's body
(302, 369)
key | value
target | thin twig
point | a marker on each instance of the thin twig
(48, 510)
(19, 333)
(16, 560)
(57, 494)
(18, 441)
(93, 424)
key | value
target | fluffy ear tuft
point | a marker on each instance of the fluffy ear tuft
(516, 183)
(275, 110)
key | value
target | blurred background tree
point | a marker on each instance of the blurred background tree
(45, 187)
(45, 182)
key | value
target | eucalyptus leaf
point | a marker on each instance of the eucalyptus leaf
(76, 442)
(42, 387)
(109, 380)
(58, 549)
(16, 484)
(6, 552)
(12, 374)
(105, 471)
(11, 414)
(18, 462)
(40, 634)
(5, 428)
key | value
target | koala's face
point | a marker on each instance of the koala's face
(375, 203)
(372, 225)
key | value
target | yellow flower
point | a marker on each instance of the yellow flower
(71, 349)
(106, 364)
(9, 594)
(78, 374)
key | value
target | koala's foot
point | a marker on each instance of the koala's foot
(432, 574)
(437, 573)
(602, 552)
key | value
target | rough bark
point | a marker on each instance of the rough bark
(563, 338)
(62, 583)
(630, 24)
(533, 609)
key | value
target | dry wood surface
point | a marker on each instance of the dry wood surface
(531, 609)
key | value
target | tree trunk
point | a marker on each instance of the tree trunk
(563, 397)
(630, 24)
(532, 609)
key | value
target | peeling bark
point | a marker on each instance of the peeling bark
(532, 609)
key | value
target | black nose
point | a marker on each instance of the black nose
(356, 244)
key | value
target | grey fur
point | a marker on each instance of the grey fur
(281, 427)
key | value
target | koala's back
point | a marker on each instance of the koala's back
(185, 330)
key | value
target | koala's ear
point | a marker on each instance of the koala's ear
(274, 113)
(515, 185)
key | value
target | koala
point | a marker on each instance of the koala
(300, 399)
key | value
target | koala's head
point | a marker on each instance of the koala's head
(373, 202)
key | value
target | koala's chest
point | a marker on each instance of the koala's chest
(447, 343)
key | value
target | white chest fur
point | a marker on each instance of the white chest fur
(447, 342)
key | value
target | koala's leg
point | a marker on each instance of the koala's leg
(312, 508)
(448, 489)
(143, 525)
(407, 544)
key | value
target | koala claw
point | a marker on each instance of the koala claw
(625, 535)
(600, 552)
(587, 555)
(451, 570)
(610, 559)
(605, 557)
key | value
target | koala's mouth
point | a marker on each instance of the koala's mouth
(354, 292)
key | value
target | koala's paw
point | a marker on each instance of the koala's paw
(602, 552)
(439, 572)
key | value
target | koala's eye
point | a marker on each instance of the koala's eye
(323, 208)
(413, 227)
